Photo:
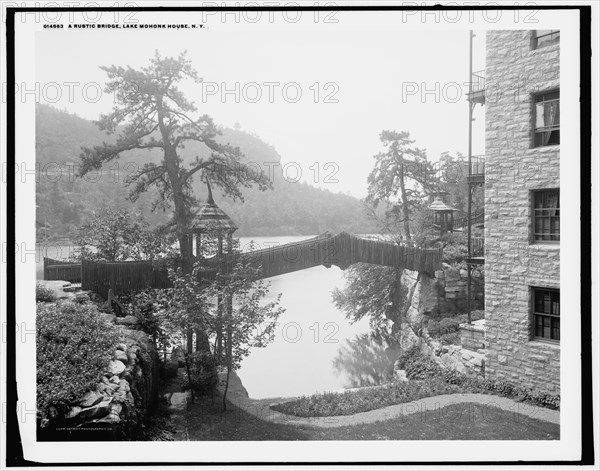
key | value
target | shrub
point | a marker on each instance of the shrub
(203, 372)
(73, 348)
(449, 325)
(417, 365)
(432, 380)
(450, 339)
(147, 306)
(361, 400)
(43, 294)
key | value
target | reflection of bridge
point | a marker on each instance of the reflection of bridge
(341, 250)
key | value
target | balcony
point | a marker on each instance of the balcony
(476, 175)
(477, 93)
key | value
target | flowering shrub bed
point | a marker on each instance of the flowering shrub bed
(361, 400)
(427, 379)
(73, 349)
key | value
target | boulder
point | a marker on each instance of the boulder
(89, 399)
(113, 417)
(96, 411)
(124, 386)
(120, 355)
(116, 367)
(74, 412)
(126, 375)
(110, 386)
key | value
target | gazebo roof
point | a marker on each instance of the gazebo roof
(212, 218)
(439, 205)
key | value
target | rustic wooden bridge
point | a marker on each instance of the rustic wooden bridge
(341, 250)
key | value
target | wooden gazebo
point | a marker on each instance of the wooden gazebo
(443, 215)
(212, 219)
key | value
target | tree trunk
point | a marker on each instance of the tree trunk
(405, 210)
(181, 211)
(226, 388)
(190, 340)
(189, 373)
(229, 345)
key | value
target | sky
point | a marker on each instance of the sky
(320, 95)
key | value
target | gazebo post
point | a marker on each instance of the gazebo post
(229, 307)
(198, 244)
(211, 218)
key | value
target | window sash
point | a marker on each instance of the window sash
(547, 327)
(546, 216)
(546, 314)
(547, 115)
(546, 37)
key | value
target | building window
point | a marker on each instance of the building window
(547, 119)
(545, 37)
(546, 216)
(546, 314)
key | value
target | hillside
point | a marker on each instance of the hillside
(65, 201)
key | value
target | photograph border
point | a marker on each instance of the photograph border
(13, 445)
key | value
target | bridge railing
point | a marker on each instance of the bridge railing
(341, 250)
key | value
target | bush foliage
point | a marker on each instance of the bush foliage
(74, 347)
(427, 379)
(450, 325)
(203, 371)
(43, 294)
(361, 400)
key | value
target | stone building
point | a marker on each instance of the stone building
(522, 215)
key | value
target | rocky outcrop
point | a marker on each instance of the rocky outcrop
(122, 399)
(445, 292)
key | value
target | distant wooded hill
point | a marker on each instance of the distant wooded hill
(65, 202)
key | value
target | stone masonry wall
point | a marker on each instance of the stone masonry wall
(513, 168)
(446, 292)
(124, 396)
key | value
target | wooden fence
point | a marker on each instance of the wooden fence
(122, 277)
(61, 270)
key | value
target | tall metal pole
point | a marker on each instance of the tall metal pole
(469, 200)
(470, 174)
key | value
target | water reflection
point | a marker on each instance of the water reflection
(365, 361)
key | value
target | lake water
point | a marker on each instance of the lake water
(310, 335)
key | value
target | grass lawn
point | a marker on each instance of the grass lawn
(454, 422)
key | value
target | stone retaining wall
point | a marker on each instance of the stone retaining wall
(123, 397)
(444, 293)
(472, 336)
